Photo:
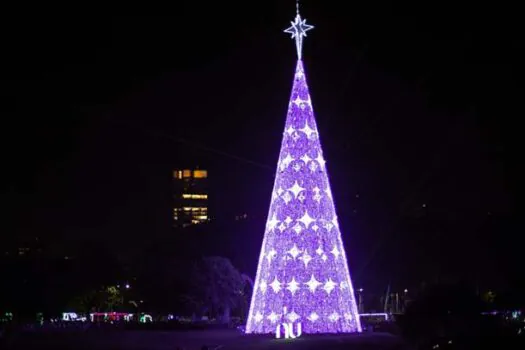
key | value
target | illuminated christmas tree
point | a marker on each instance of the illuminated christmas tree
(303, 275)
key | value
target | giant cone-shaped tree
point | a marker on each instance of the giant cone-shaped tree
(303, 275)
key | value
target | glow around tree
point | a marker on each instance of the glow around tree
(303, 275)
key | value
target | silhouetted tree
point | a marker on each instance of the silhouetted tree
(217, 285)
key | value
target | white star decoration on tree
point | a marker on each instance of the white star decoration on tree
(273, 317)
(313, 284)
(298, 31)
(271, 254)
(306, 159)
(313, 317)
(297, 101)
(286, 161)
(306, 258)
(335, 251)
(334, 317)
(328, 226)
(290, 130)
(294, 252)
(320, 160)
(313, 166)
(296, 189)
(272, 223)
(263, 286)
(302, 103)
(287, 197)
(276, 285)
(306, 219)
(292, 316)
(293, 286)
(329, 286)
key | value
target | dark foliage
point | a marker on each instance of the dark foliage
(452, 314)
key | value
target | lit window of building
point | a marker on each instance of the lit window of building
(190, 197)
(194, 196)
(200, 174)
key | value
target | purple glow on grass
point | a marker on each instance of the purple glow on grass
(303, 272)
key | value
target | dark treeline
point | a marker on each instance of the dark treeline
(43, 276)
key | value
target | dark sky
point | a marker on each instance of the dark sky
(415, 105)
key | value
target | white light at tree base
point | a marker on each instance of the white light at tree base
(302, 266)
(288, 330)
(288, 327)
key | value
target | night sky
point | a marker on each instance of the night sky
(418, 110)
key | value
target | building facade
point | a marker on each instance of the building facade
(190, 197)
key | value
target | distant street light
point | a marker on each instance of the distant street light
(406, 290)
(360, 305)
(127, 286)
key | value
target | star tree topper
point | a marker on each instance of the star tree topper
(298, 31)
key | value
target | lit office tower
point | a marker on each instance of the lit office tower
(190, 197)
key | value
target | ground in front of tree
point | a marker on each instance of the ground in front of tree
(195, 340)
